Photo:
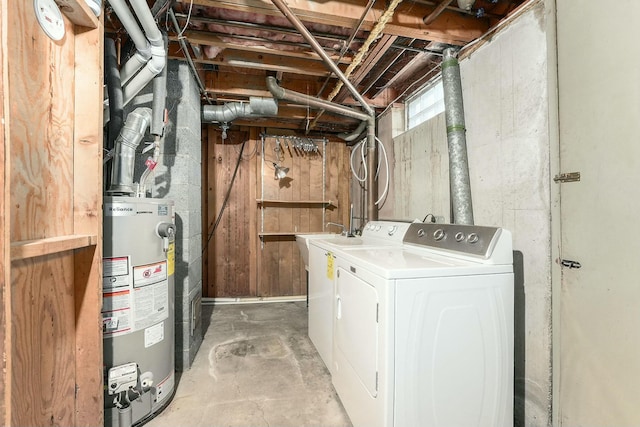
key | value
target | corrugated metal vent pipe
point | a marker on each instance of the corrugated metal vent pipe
(257, 107)
(125, 151)
(459, 183)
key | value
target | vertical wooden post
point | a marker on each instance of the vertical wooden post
(87, 205)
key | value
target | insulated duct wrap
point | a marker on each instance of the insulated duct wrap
(459, 182)
(126, 144)
(257, 107)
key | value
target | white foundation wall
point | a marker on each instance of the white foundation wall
(506, 106)
(504, 85)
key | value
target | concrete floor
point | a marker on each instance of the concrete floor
(256, 367)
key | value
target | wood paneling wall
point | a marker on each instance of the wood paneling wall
(253, 252)
(52, 158)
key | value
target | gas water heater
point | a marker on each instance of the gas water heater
(138, 308)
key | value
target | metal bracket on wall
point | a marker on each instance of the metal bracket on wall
(567, 177)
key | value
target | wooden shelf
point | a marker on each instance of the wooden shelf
(51, 245)
(297, 202)
(279, 234)
(78, 12)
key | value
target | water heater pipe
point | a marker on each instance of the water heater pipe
(125, 150)
(459, 182)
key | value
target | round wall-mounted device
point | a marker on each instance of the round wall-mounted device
(50, 18)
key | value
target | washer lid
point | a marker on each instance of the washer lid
(50, 18)
(405, 263)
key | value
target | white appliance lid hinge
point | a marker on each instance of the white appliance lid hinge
(376, 380)
(377, 312)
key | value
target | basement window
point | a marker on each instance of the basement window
(426, 104)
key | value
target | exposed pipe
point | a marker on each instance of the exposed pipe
(143, 48)
(185, 50)
(158, 55)
(350, 137)
(114, 89)
(371, 119)
(125, 150)
(288, 13)
(460, 185)
(159, 102)
(279, 92)
(257, 107)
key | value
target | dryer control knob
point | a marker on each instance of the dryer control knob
(392, 230)
(472, 238)
(459, 236)
(439, 234)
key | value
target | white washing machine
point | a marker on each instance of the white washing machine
(423, 332)
(322, 255)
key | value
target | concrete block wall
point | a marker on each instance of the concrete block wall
(178, 177)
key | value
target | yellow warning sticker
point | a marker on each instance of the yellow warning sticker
(330, 266)
(171, 258)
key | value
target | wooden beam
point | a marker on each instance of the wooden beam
(87, 219)
(452, 28)
(372, 59)
(78, 12)
(257, 61)
(436, 12)
(229, 42)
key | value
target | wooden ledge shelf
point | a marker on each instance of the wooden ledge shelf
(326, 203)
(79, 13)
(40, 247)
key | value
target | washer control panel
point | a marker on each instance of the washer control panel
(388, 230)
(467, 239)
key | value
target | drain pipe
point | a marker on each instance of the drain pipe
(350, 137)
(114, 89)
(143, 48)
(372, 210)
(158, 57)
(459, 182)
(125, 151)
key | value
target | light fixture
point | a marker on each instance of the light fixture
(281, 171)
(465, 4)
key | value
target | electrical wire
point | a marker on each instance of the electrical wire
(362, 146)
(226, 200)
(180, 34)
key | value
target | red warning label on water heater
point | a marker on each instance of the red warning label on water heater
(149, 273)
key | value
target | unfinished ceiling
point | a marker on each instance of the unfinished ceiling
(386, 48)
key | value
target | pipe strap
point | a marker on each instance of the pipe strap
(456, 128)
(449, 63)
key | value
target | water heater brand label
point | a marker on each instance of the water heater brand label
(119, 209)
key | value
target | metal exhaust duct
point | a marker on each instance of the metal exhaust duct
(459, 183)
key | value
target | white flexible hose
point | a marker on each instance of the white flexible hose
(353, 169)
(386, 165)
(362, 146)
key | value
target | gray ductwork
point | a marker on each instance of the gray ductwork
(256, 107)
(125, 151)
(459, 181)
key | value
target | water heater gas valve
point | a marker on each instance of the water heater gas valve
(167, 232)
